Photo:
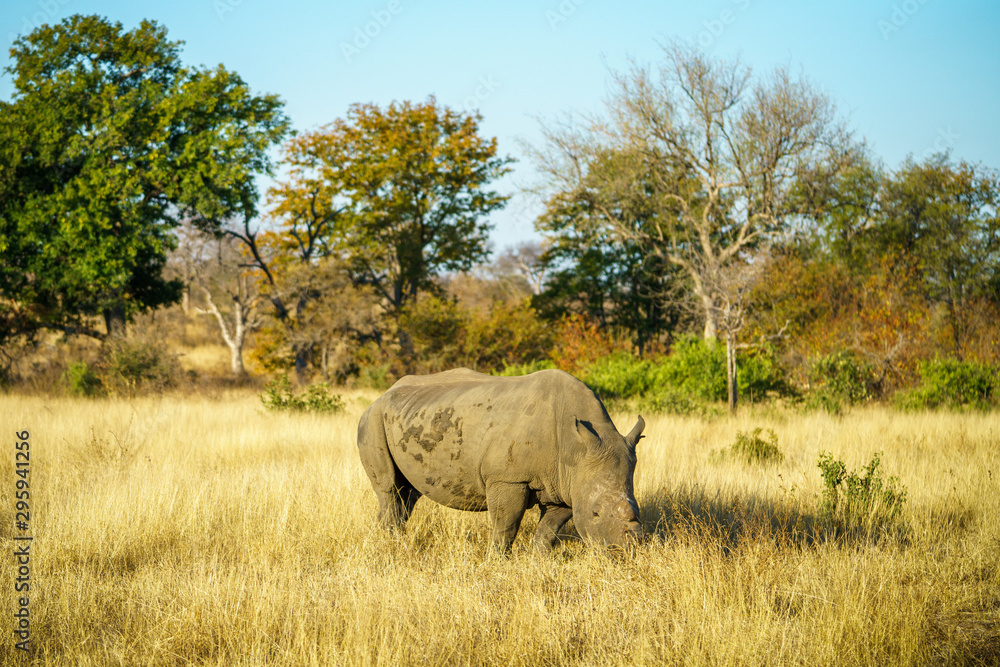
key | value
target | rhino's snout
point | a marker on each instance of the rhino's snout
(633, 533)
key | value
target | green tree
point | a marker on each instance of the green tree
(405, 190)
(594, 272)
(107, 143)
(935, 218)
(399, 194)
(946, 215)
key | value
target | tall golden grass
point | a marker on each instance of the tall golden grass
(181, 530)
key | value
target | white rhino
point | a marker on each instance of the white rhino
(503, 444)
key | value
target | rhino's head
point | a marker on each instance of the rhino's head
(604, 507)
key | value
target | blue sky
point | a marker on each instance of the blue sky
(908, 75)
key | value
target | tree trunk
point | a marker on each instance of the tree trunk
(301, 366)
(234, 339)
(711, 319)
(236, 344)
(406, 350)
(236, 361)
(731, 374)
(114, 322)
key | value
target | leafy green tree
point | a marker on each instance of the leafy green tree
(401, 193)
(592, 271)
(946, 215)
(107, 143)
(936, 215)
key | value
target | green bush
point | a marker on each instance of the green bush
(697, 370)
(134, 366)
(668, 400)
(620, 375)
(80, 379)
(375, 376)
(278, 395)
(753, 447)
(842, 378)
(852, 501)
(514, 370)
(694, 368)
(687, 381)
(950, 383)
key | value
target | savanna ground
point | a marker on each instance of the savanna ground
(193, 529)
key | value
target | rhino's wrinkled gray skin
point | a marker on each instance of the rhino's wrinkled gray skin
(476, 442)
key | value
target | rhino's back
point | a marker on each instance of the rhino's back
(453, 432)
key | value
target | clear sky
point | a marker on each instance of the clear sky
(908, 75)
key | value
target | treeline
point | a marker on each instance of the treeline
(711, 236)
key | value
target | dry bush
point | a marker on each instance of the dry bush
(190, 530)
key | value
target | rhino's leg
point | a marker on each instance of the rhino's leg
(396, 505)
(506, 504)
(552, 519)
(396, 497)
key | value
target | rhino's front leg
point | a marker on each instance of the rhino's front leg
(552, 519)
(506, 504)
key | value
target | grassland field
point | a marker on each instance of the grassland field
(181, 530)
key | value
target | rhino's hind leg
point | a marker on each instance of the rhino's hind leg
(396, 505)
(506, 504)
(553, 518)
(396, 497)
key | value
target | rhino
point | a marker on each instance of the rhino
(476, 442)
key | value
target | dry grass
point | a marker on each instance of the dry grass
(213, 359)
(191, 530)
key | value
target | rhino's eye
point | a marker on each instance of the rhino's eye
(596, 514)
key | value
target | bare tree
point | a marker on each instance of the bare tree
(188, 258)
(218, 281)
(225, 277)
(307, 228)
(519, 268)
(735, 290)
(694, 160)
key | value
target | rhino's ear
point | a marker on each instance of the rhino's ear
(632, 439)
(585, 431)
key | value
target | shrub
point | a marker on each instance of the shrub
(752, 447)
(80, 379)
(437, 329)
(130, 367)
(514, 370)
(278, 395)
(843, 378)
(853, 501)
(952, 383)
(445, 334)
(619, 375)
(694, 368)
(668, 400)
(511, 333)
(375, 376)
(580, 341)
(697, 369)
